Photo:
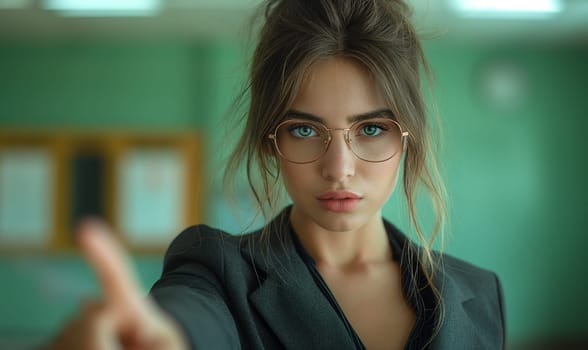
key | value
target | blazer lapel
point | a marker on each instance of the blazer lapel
(458, 330)
(287, 296)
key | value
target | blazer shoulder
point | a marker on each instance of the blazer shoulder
(198, 235)
(201, 244)
(466, 272)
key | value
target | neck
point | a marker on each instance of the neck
(367, 244)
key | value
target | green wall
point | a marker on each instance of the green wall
(514, 173)
(515, 177)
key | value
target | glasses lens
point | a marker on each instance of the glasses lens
(301, 141)
(376, 140)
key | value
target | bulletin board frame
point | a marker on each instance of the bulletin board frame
(112, 149)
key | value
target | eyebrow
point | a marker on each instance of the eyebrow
(386, 113)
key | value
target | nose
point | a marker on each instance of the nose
(338, 163)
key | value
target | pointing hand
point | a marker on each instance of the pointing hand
(124, 318)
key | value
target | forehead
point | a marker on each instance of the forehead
(338, 88)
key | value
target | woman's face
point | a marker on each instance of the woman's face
(338, 191)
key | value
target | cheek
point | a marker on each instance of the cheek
(384, 175)
(293, 176)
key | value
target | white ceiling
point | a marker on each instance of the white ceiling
(181, 19)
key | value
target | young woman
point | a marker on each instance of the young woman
(335, 109)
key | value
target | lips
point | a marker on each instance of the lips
(339, 201)
(338, 195)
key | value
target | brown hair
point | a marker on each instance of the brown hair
(378, 34)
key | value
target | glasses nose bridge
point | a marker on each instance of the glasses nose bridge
(345, 135)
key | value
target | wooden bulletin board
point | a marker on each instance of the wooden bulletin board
(148, 186)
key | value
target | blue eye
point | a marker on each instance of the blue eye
(302, 131)
(371, 130)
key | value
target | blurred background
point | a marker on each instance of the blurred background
(118, 108)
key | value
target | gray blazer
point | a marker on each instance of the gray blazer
(254, 292)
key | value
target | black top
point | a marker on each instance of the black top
(422, 300)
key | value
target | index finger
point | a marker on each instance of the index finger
(111, 263)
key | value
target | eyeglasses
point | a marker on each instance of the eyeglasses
(373, 140)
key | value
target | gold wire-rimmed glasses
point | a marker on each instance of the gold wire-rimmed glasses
(373, 140)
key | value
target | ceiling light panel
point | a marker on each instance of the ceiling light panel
(508, 8)
(99, 8)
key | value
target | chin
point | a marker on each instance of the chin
(333, 221)
(340, 222)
